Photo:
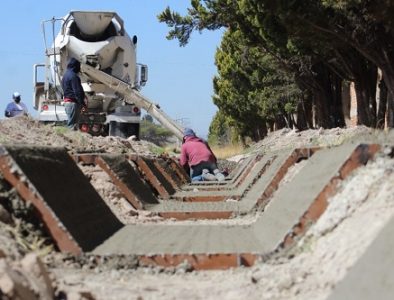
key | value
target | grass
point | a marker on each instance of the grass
(157, 150)
(61, 130)
(224, 152)
(169, 149)
(172, 149)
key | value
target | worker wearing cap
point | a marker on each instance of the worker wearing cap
(73, 94)
(16, 107)
(198, 156)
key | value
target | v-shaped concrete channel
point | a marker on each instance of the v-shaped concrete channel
(250, 188)
(79, 220)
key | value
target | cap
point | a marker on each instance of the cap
(188, 131)
(16, 95)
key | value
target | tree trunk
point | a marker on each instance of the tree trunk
(308, 109)
(328, 98)
(263, 130)
(259, 132)
(381, 54)
(321, 109)
(365, 85)
(388, 75)
(280, 122)
(346, 99)
(390, 111)
(363, 117)
(337, 107)
(381, 120)
(300, 120)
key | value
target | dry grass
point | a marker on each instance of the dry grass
(223, 152)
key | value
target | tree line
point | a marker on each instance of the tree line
(287, 63)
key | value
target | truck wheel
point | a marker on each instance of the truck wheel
(124, 130)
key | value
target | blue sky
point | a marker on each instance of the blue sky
(180, 79)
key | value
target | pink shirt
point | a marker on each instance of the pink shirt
(194, 150)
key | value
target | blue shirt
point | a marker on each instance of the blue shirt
(15, 109)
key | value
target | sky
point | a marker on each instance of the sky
(180, 78)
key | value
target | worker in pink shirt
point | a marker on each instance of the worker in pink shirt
(199, 158)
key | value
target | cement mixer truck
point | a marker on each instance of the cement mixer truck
(110, 75)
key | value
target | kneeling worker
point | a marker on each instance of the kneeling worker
(198, 156)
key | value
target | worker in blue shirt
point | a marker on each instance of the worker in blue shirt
(15, 108)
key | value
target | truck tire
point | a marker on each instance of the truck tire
(124, 130)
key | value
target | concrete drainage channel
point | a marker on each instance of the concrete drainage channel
(79, 220)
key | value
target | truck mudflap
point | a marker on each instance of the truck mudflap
(124, 124)
(124, 130)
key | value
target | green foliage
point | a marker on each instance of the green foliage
(251, 88)
(203, 14)
(182, 26)
(273, 50)
(153, 132)
(157, 150)
(220, 131)
(60, 130)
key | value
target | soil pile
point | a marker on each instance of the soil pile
(27, 131)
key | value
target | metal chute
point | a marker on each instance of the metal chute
(132, 96)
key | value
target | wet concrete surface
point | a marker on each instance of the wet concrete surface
(82, 212)
(263, 236)
(130, 177)
(67, 194)
(372, 276)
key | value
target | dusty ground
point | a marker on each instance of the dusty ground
(24, 131)
(309, 270)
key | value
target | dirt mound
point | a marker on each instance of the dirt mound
(287, 138)
(27, 131)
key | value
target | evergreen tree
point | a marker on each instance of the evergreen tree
(320, 42)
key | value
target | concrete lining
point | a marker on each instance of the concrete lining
(178, 239)
(232, 181)
(180, 172)
(289, 203)
(272, 163)
(63, 192)
(167, 185)
(227, 190)
(124, 185)
(372, 276)
(169, 173)
(60, 192)
(242, 165)
(264, 236)
(151, 176)
(121, 169)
